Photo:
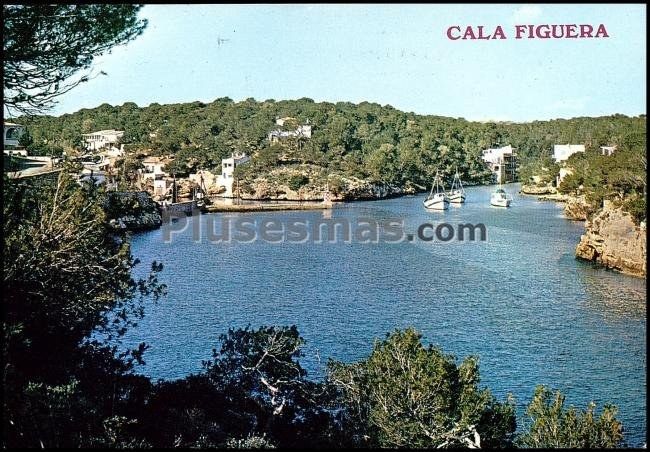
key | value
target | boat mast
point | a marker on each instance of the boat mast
(439, 183)
(460, 183)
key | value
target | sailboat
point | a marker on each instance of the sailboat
(456, 192)
(200, 194)
(437, 199)
(500, 198)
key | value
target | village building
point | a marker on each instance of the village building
(564, 172)
(154, 171)
(301, 131)
(12, 135)
(226, 178)
(102, 139)
(502, 162)
(561, 152)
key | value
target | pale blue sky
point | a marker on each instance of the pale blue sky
(389, 54)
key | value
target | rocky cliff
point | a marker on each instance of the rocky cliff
(133, 211)
(538, 189)
(577, 208)
(615, 241)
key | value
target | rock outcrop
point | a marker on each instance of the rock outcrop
(613, 240)
(363, 190)
(577, 208)
(133, 211)
(538, 189)
(277, 185)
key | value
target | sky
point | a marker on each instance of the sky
(388, 54)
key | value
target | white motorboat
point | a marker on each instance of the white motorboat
(437, 199)
(456, 193)
(500, 198)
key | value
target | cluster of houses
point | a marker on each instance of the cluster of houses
(503, 161)
(561, 152)
(104, 148)
(301, 131)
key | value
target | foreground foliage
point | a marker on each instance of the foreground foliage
(408, 395)
(552, 425)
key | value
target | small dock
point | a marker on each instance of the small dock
(186, 207)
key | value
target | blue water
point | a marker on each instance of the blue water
(519, 300)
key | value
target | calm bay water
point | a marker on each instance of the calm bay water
(519, 300)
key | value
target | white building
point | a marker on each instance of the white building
(226, 178)
(111, 155)
(154, 171)
(153, 167)
(104, 138)
(12, 134)
(502, 162)
(561, 152)
(564, 172)
(302, 131)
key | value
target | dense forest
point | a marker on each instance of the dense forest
(366, 140)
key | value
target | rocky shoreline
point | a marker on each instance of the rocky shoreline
(343, 189)
(132, 211)
(611, 238)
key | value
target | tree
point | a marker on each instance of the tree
(46, 45)
(408, 395)
(66, 275)
(553, 426)
(266, 390)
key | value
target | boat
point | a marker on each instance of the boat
(198, 196)
(500, 198)
(202, 201)
(437, 199)
(456, 192)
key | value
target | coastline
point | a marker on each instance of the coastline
(267, 207)
(611, 238)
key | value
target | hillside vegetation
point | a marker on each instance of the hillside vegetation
(367, 140)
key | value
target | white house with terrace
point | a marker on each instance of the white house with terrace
(561, 152)
(102, 139)
(502, 162)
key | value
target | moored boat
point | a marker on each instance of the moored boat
(500, 198)
(456, 193)
(437, 199)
